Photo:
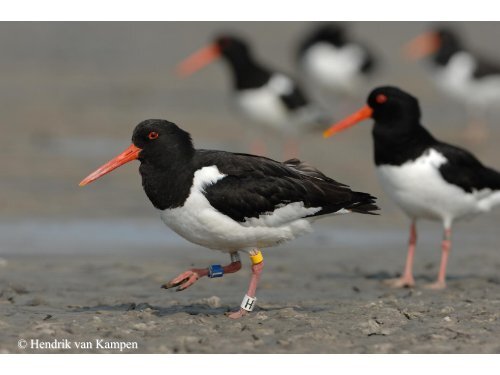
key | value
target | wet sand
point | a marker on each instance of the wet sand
(310, 301)
(87, 264)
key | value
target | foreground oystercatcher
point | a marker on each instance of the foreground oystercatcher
(459, 72)
(330, 58)
(230, 202)
(427, 178)
(263, 95)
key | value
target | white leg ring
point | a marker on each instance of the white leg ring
(248, 303)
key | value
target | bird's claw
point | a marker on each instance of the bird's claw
(183, 281)
(438, 285)
(400, 282)
(236, 314)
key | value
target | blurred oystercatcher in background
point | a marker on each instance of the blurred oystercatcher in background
(427, 178)
(264, 96)
(333, 61)
(230, 202)
(460, 73)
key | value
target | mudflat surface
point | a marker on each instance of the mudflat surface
(317, 302)
(86, 264)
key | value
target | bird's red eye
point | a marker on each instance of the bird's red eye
(381, 99)
(153, 135)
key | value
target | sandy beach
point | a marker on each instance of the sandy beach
(82, 267)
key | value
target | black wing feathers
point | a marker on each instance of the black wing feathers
(464, 170)
(294, 99)
(485, 68)
(254, 186)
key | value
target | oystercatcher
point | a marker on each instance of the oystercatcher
(427, 178)
(460, 73)
(230, 202)
(264, 96)
(330, 58)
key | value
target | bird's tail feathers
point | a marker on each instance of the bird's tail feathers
(365, 204)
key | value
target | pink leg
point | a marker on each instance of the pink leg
(291, 149)
(188, 278)
(407, 279)
(445, 252)
(256, 272)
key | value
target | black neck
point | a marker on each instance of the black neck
(449, 46)
(167, 186)
(395, 145)
(247, 73)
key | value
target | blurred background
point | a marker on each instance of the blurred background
(71, 94)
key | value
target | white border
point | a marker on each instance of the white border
(262, 10)
(255, 364)
(248, 10)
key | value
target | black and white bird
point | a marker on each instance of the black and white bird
(334, 61)
(427, 179)
(230, 202)
(264, 96)
(457, 71)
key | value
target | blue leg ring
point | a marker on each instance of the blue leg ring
(215, 270)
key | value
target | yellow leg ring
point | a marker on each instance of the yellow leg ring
(257, 258)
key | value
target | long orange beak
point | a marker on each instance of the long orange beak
(131, 153)
(421, 46)
(198, 60)
(362, 114)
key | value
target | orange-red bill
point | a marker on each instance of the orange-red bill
(198, 60)
(421, 46)
(349, 121)
(131, 153)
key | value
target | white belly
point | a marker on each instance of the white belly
(263, 107)
(418, 188)
(216, 231)
(198, 222)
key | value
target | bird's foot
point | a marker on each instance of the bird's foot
(236, 314)
(183, 281)
(400, 282)
(438, 285)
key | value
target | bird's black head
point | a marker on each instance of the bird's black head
(233, 48)
(158, 144)
(393, 110)
(161, 142)
(392, 106)
(247, 72)
(449, 44)
(398, 135)
(397, 132)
